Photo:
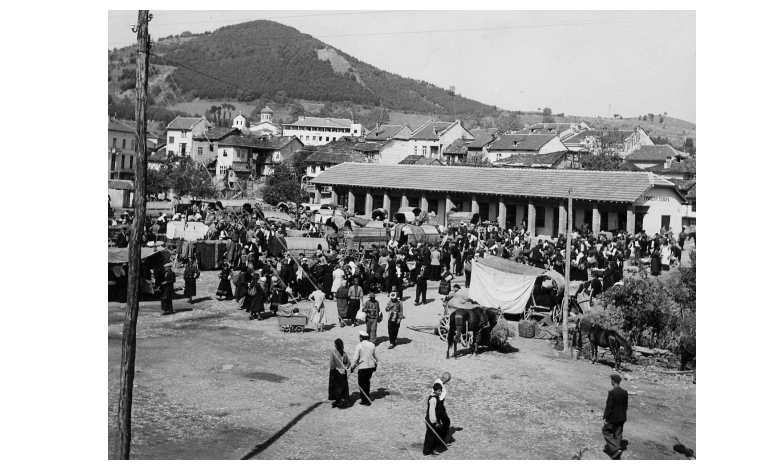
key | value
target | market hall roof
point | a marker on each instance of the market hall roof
(618, 186)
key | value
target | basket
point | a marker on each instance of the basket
(526, 328)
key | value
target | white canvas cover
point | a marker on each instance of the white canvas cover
(492, 287)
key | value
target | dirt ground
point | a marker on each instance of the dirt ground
(210, 384)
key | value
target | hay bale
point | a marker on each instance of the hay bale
(526, 328)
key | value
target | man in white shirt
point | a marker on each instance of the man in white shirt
(366, 361)
(445, 419)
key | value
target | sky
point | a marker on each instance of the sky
(585, 63)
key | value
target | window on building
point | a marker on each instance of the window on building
(322, 167)
(327, 139)
(425, 150)
(113, 142)
(224, 153)
(132, 145)
(123, 161)
(170, 140)
(312, 169)
(320, 138)
(113, 162)
(307, 137)
(184, 133)
(415, 150)
(666, 221)
(131, 162)
(124, 141)
(222, 169)
(200, 150)
(211, 147)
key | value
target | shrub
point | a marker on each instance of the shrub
(645, 310)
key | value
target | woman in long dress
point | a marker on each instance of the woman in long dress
(655, 262)
(191, 272)
(224, 289)
(255, 304)
(327, 280)
(342, 302)
(338, 387)
(666, 255)
(338, 276)
(241, 285)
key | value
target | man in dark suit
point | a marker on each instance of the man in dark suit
(614, 418)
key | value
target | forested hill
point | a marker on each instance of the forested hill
(269, 59)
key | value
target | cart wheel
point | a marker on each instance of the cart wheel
(444, 328)
(299, 329)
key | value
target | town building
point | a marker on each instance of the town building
(384, 132)
(420, 160)
(509, 144)
(121, 150)
(477, 149)
(329, 155)
(561, 129)
(623, 142)
(430, 139)
(205, 145)
(393, 140)
(266, 125)
(605, 200)
(673, 168)
(456, 152)
(320, 131)
(254, 156)
(648, 156)
(180, 134)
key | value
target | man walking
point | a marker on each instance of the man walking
(614, 418)
(395, 309)
(373, 315)
(365, 361)
(422, 284)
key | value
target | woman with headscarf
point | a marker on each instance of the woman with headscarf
(224, 289)
(191, 272)
(655, 261)
(338, 387)
(254, 303)
(327, 280)
(278, 297)
(242, 281)
(342, 302)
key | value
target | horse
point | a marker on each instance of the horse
(600, 337)
(479, 320)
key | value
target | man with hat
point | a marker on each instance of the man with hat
(395, 309)
(614, 418)
(365, 361)
(373, 316)
(166, 303)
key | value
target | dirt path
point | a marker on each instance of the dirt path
(213, 385)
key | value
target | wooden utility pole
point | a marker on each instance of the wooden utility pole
(568, 273)
(127, 370)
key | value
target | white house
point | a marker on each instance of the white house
(510, 144)
(624, 142)
(433, 137)
(648, 156)
(320, 131)
(181, 132)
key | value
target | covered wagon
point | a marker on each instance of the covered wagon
(295, 245)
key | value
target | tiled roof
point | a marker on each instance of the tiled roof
(432, 129)
(478, 132)
(530, 159)
(384, 132)
(322, 122)
(184, 124)
(419, 160)
(368, 146)
(580, 137)
(691, 193)
(652, 153)
(268, 143)
(552, 127)
(683, 185)
(119, 126)
(481, 141)
(686, 166)
(337, 152)
(217, 133)
(618, 186)
(612, 135)
(458, 147)
(521, 142)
